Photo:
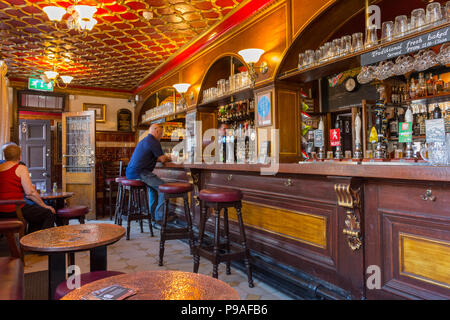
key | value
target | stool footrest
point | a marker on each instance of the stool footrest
(222, 257)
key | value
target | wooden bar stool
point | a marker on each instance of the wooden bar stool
(172, 191)
(133, 209)
(119, 199)
(218, 199)
(63, 215)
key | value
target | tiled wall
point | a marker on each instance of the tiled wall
(111, 146)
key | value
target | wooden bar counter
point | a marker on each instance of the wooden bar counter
(340, 230)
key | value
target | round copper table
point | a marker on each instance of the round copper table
(57, 241)
(55, 199)
(163, 285)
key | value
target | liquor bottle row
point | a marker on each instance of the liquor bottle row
(423, 86)
(236, 112)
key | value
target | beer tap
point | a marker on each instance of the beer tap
(358, 151)
(339, 154)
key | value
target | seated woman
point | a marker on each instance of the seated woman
(15, 182)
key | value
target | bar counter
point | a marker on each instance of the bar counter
(339, 230)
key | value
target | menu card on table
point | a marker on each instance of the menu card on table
(114, 292)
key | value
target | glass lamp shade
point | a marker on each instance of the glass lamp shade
(182, 87)
(66, 79)
(54, 13)
(251, 55)
(51, 75)
(87, 24)
(85, 12)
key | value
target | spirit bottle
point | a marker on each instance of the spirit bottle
(437, 114)
(412, 89)
(430, 85)
(393, 125)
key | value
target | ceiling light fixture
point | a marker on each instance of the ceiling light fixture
(81, 16)
(53, 77)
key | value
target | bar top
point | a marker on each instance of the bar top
(350, 169)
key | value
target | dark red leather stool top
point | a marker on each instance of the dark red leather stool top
(85, 278)
(120, 179)
(73, 212)
(11, 278)
(176, 187)
(220, 195)
(132, 183)
(10, 225)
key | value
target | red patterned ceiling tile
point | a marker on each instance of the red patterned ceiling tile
(204, 5)
(111, 18)
(156, 3)
(198, 24)
(165, 11)
(116, 8)
(123, 26)
(184, 8)
(129, 16)
(134, 5)
(156, 48)
(139, 24)
(16, 2)
(210, 15)
(156, 22)
(173, 18)
(111, 42)
(225, 3)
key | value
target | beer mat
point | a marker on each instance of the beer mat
(114, 292)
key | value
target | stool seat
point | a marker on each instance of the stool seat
(132, 183)
(85, 278)
(120, 179)
(73, 212)
(110, 180)
(10, 225)
(220, 195)
(176, 187)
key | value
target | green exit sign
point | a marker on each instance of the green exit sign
(38, 84)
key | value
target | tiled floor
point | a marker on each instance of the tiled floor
(141, 253)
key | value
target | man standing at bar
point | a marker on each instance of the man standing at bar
(148, 151)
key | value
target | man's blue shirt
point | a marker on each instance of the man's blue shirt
(144, 157)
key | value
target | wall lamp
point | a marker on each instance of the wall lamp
(251, 57)
(182, 88)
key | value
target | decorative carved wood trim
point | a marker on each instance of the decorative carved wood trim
(350, 199)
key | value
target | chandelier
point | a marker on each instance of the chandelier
(52, 76)
(80, 16)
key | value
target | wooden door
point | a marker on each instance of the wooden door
(78, 148)
(35, 142)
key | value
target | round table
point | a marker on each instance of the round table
(163, 285)
(58, 241)
(55, 199)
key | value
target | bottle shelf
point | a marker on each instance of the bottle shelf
(431, 98)
(349, 61)
(243, 94)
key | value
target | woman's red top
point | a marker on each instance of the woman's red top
(10, 188)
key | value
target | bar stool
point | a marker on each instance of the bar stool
(218, 199)
(63, 215)
(133, 211)
(171, 191)
(118, 199)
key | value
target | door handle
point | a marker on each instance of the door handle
(44, 174)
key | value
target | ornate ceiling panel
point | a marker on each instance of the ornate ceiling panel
(119, 52)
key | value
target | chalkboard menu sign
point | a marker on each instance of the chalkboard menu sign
(408, 46)
(124, 120)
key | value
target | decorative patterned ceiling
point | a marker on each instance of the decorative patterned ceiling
(121, 50)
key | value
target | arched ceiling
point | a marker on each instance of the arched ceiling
(120, 51)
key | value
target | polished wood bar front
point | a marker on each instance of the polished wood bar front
(331, 227)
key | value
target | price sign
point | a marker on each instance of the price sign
(335, 137)
(435, 130)
(405, 132)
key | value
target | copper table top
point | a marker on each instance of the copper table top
(163, 285)
(56, 195)
(72, 237)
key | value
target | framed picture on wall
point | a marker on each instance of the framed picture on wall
(264, 109)
(100, 111)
